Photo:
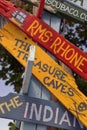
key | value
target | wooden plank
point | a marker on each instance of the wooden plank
(36, 90)
(28, 70)
(48, 72)
(43, 34)
(49, 18)
(61, 48)
(37, 111)
(19, 47)
(32, 91)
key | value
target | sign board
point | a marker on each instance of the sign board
(43, 34)
(18, 46)
(37, 111)
(47, 71)
(81, 3)
(64, 8)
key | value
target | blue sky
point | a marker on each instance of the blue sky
(4, 90)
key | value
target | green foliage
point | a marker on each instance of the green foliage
(12, 126)
(28, 8)
(11, 71)
(77, 34)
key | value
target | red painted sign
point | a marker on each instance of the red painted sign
(47, 37)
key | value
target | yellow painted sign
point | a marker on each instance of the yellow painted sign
(47, 71)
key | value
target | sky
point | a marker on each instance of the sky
(4, 90)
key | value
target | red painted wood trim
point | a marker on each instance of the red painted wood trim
(40, 8)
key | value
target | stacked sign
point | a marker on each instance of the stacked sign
(48, 38)
(48, 72)
(24, 108)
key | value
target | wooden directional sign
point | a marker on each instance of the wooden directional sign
(38, 111)
(47, 71)
(64, 8)
(18, 46)
(47, 37)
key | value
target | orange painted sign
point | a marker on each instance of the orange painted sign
(47, 71)
(44, 35)
(18, 46)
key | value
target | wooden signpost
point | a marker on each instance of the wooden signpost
(43, 34)
(37, 111)
(54, 79)
(48, 72)
(32, 88)
(64, 8)
(57, 45)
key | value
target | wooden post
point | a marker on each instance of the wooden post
(53, 22)
(28, 70)
(35, 89)
(40, 8)
(27, 75)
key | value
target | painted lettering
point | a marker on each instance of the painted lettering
(83, 16)
(22, 55)
(66, 90)
(81, 63)
(35, 110)
(49, 114)
(60, 75)
(81, 1)
(69, 10)
(58, 45)
(51, 70)
(68, 53)
(37, 29)
(22, 45)
(65, 118)
(82, 106)
(13, 103)
(56, 115)
(63, 7)
(55, 84)
(47, 118)
(32, 27)
(17, 102)
(74, 123)
(70, 92)
(26, 109)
